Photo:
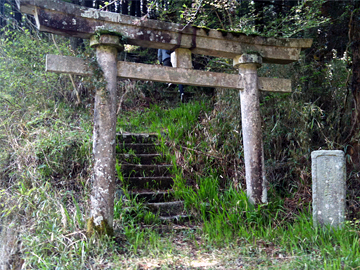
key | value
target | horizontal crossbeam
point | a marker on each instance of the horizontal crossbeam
(63, 18)
(157, 73)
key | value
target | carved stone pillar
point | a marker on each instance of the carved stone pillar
(102, 196)
(251, 127)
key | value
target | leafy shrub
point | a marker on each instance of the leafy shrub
(42, 134)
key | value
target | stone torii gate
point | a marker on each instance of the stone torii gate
(104, 28)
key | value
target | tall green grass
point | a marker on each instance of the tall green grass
(226, 217)
(49, 151)
(174, 122)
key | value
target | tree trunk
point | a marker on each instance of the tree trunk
(75, 42)
(2, 13)
(133, 8)
(138, 8)
(355, 49)
(88, 3)
(125, 7)
(16, 12)
(144, 7)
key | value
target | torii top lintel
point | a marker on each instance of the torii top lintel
(63, 18)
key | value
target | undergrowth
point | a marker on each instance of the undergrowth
(45, 169)
(224, 218)
(174, 122)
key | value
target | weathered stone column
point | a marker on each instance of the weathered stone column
(102, 196)
(181, 58)
(251, 127)
(328, 187)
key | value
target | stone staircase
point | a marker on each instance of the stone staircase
(147, 176)
(175, 95)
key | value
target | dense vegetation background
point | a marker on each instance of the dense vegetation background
(46, 126)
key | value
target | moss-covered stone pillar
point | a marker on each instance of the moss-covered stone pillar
(102, 196)
(251, 127)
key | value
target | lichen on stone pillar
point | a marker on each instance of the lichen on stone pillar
(102, 195)
(181, 58)
(328, 169)
(251, 127)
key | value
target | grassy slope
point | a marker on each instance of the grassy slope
(227, 232)
(45, 171)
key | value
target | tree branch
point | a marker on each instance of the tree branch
(193, 18)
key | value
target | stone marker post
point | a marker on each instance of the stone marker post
(251, 127)
(328, 187)
(102, 196)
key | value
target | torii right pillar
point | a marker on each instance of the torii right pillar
(251, 127)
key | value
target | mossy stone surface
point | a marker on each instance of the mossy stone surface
(102, 229)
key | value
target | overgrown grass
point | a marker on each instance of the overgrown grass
(225, 228)
(46, 155)
(174, 122)
(227, 219)
(224, 218)
(229, 229)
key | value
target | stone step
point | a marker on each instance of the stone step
(166, 209)
(147, 177)
(176, 219)
(175, 96)
(137, 148)
(164, 217)
(175, 93)
(145, 159)
(162, 182)
(137, 137)
(137, 170)
(153, 196)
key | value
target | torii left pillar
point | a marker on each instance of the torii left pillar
(102, 196)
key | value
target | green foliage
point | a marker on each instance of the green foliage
(293, 23)
(62, 150)
(175, 123)
(55, 237)
(45, 143)
(23, 55)
(248, 17)
(46, 137)
(45, 154)
(227, 215)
